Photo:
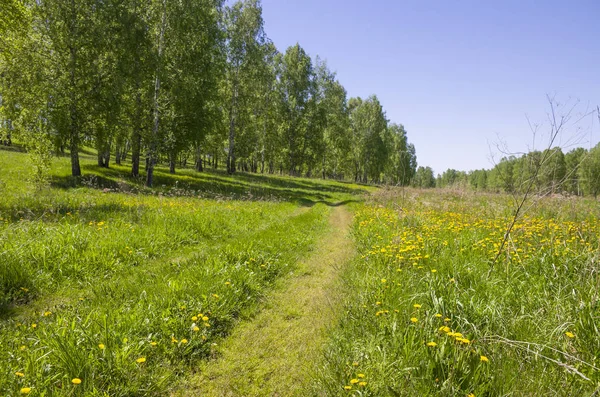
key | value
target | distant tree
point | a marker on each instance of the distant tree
(573, 160)
(424, 178)
(589, 171)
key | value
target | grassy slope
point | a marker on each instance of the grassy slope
(100, 274)
(530, 326)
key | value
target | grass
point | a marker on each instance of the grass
(274, 354)
(127, 289)
(427, 313)
(110, 288)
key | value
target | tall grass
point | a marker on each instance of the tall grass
(426, 316)
(108, 288)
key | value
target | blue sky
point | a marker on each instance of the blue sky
(461, 76)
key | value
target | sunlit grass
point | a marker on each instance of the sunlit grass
(428, 313)
(109, 288)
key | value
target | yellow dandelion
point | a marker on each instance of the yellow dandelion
(19, 374)
(196, 328)
(361, 375)
(484, 359)
(153, 343)
(141, 360)
(570, 334)
(101, 346)
(414, 319)
(363, 383)
(417, 306)
(33, 325)
(46, 314)
(76, 381)
(204, 318)
(355, 364)
(26, 390)
(194, 318)
(438, 315)
(354, 381)
(431, 344)
(184, 341)
(447, 320)
(347, 387)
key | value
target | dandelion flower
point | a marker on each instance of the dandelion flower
(417, 306)
(447, 320)
(484, 359)
(354, 381)
(184, 341)
(363, 383)
(141, 360)
(431, 344)
(204, 318)
(347, 387)
(20, 374)
(383, 280)
(438, 315)
(355, 364)
(33, 325)
(361, 375)
(570, 334)
(26, 390)
(414, 319)
(76, 381)
(153, 343)
(196, 328)
(101, 346)
(194, 318)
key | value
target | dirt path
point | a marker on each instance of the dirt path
(272, 354)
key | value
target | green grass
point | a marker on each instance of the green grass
(128, 288)
(530, 324)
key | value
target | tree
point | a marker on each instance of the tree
(572, 162)
(424, 178)
(589, 171)
(245, 38)
(294, 94)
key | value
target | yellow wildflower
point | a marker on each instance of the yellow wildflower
(20, 374)
(414, 319)
(26, 390)
(76, 381)
(570, 334)
(141, 360)
(431, 344)
(484, 359)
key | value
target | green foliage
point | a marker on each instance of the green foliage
(424, 316)
(127, 289)
(589, 171)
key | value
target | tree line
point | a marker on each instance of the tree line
(184, 82)
(576, 172)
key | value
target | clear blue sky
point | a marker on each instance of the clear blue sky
(459, 75)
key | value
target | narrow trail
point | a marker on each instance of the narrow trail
(273, 354)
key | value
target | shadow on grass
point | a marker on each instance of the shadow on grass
(212, 184)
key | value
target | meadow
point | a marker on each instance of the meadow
(108, 288)
(432, 309)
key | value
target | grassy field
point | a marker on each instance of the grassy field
(428, 311)
(111, 289)
(107, 288)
